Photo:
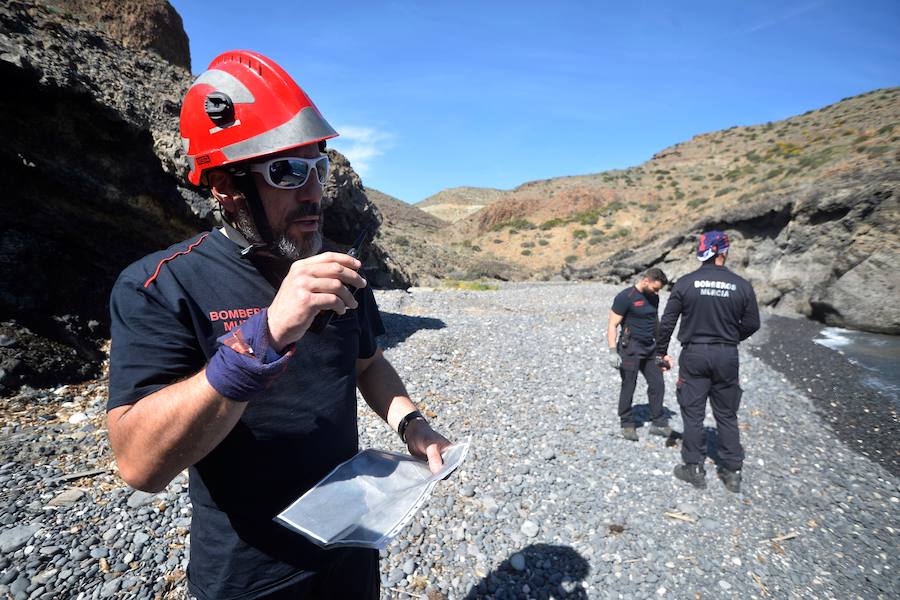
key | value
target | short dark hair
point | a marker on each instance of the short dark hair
(656, 274)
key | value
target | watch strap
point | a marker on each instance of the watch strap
(405, 421)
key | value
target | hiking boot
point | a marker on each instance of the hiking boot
(693, 474)
(664, 431)
(731, 479)
(629, 434)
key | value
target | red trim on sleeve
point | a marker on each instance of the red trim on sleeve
(168, 258)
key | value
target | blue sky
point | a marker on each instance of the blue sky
(431, 95)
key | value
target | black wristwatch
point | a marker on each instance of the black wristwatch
(405, 421)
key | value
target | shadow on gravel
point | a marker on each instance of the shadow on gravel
(712, 435)
(399, 327)
(549, 572)
(641, 414)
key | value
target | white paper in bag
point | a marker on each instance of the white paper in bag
(367, 500)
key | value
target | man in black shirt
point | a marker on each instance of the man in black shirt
(221, 362)
(635, 309)
(718, 310)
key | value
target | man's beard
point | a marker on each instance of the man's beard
(291, 248)
(309, 245)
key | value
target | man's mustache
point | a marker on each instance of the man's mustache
(310, 209)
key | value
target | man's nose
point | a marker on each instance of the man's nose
(311, 191)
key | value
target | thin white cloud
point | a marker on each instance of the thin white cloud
(361, 145)
(789, 14)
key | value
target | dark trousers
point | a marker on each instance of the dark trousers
(710, 371)
(638, 357)
(355, 575)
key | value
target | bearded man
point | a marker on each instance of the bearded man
(216, 366)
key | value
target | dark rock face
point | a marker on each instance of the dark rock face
(826, 251)
(137, 24)
(93, 166)
(29, 358)
(86, 190)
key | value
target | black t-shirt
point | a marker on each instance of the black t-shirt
(716, 306)
(167, 311)
(639, 313)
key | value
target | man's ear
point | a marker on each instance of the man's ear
(223, 188)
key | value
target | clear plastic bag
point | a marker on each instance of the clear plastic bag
(367, 500)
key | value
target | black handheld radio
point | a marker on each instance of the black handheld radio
(357, 251)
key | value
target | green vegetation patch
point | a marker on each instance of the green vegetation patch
(818, 158)
(774, 172)
(697, 202)
(785, 150)
(724, 191)
(513, 224)
(468, 286)
(552, 223)
(877, 150)
(587, 217)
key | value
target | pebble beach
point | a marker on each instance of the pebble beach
(551, 501)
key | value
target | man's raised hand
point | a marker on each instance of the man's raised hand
(312, 284)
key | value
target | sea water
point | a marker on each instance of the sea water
(878, 354)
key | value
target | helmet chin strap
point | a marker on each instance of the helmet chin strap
(265, 240)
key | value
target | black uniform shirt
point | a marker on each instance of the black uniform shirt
(167, 311)
(639, 312)
(717, 306)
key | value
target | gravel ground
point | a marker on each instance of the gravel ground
(551, 502)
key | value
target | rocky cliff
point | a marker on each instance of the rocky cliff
(94, 170)
(821, 251)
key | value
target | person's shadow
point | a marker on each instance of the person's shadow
(549, 571)
(641, 414)
(399, 327)
(712, 451)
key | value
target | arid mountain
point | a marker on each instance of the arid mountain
(458, 203)
(811, 203)
(416, 241)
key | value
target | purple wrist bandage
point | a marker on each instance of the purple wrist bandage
(239, 369)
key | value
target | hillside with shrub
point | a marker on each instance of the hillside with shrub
(811, 202)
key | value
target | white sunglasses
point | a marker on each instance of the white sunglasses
(292, 172)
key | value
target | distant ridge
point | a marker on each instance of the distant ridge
(458, 203)
(416, 242)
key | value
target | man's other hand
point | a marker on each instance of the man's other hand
(424, 442)
(615, 361)
(313, 284)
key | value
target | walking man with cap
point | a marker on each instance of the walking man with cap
(718, 310)
(636, 310)
(221, 364)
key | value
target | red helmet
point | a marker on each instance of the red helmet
(242, 107)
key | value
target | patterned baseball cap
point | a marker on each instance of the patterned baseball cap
(711, 244)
